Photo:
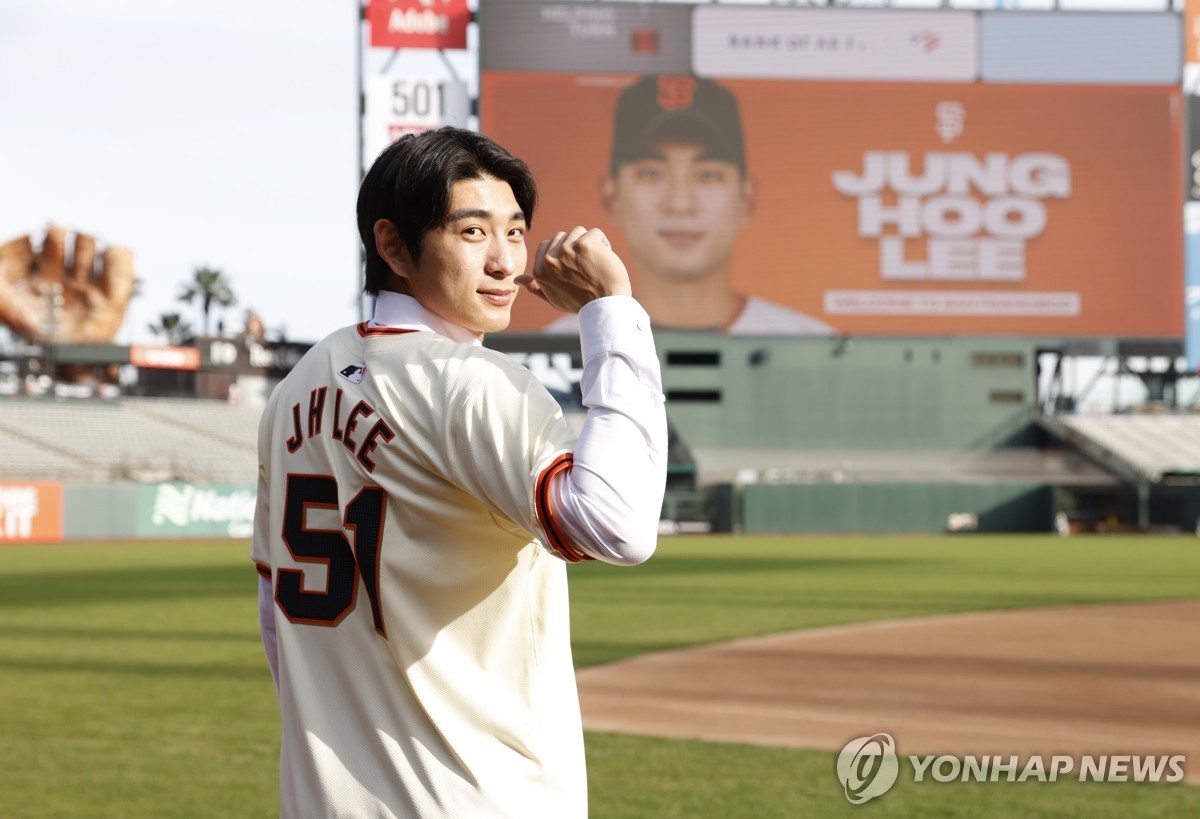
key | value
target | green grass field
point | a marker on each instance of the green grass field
(132, 682)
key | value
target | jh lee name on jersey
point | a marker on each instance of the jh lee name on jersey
(343, 426)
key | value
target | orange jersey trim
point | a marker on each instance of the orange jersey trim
(365, 330)
(554, 533)
(263, 569)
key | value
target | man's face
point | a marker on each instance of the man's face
(680, 210)
(468, 264)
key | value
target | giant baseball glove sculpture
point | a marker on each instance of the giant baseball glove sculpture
(45, 299)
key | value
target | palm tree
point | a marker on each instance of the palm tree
(172, 327)
(210, 286)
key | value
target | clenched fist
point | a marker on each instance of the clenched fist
(42, 297)
(576, 267)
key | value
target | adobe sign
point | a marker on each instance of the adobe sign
(418, 23)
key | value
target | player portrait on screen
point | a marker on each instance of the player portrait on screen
(679, 190)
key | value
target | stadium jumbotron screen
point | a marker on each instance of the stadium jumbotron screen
(905, 173)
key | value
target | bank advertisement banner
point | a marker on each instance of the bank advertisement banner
(835, 44)
(190, 510)
(31, 512)
(780, 207)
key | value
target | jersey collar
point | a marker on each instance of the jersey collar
(399, 310)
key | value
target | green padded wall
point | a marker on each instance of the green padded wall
(819, 393)
(894, 507)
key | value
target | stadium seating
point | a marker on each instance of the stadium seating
(24, 460)
(1155, 446)
(134, 439)
(1010, 465)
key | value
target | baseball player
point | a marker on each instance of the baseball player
(420, 497)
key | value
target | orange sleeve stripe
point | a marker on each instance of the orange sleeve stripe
(558, 539)
(263, 569)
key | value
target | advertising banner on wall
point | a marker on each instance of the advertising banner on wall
(838, 44)
(190, 510)
(418, 23)
(164, 358)
(31, 512)
(863, 208)
(586, 37)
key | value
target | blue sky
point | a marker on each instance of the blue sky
(218, 133)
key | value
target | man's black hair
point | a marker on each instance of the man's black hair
(412, 181)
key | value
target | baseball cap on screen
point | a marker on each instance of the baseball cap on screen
(684, 108)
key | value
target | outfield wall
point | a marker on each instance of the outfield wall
(49, 512)
(45, 512)
(895, 507)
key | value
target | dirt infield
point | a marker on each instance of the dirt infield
(1078, 680)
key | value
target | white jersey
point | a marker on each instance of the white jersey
(758, 317)
(402, 475)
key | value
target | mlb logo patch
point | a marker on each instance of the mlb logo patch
(354, 373)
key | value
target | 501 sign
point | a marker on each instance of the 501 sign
(420, 99)
(395, 106)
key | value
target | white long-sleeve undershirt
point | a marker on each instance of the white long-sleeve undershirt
(610, 501)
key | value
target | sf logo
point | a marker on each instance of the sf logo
(675, 93)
